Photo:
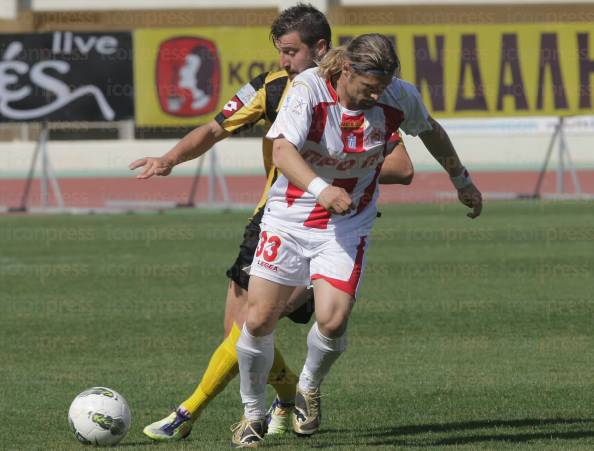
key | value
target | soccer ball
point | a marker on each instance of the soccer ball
(99, 416)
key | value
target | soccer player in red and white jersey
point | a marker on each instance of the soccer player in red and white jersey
(329, 141)
(302, 35)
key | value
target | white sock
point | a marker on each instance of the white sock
(255, 356)
(322, 352)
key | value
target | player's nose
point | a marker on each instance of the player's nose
(285, 62)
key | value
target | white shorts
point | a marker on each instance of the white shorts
(297, 259)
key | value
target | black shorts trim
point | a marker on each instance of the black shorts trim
(247, 249)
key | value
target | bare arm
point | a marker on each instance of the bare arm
(293, 166)
(191, 146)
(397, 167)
(439, 145)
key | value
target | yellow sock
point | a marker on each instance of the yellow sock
(282, 378)
(221, 369)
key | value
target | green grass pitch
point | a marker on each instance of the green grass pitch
(466, 334)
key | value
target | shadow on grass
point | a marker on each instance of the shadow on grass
(470, 425)
(136, 444)
(397, 436)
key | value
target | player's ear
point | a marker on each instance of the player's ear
(346, 69)
(320, 48)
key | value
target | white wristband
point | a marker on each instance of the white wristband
(316, 186)
(462, 180)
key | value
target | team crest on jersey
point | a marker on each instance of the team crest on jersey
(351, 141)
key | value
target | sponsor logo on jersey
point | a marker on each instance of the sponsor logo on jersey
(351, 123)
(188, 76)
(346, 164)
(232, 106)
(246, 94)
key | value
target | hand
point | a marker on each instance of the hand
(336, 200)
(472, 198)
(152, 166)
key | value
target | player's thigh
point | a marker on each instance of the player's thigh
(278, 267)
(238, 273)
(336, 270)
(280, 258)
(266, 303)
(235, 306)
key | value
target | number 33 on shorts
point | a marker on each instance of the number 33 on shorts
(268, 247)
(279, 258)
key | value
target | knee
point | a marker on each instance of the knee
(260, 323)
(333, 327)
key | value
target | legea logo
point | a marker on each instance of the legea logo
(188, 76)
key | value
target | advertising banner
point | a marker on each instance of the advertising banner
(185, 76)
(66, 76)
(496, 70)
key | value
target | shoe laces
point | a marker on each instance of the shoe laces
(177, 421)
(313, 402)
(240, 427)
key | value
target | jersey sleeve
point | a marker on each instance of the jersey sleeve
(416, 115)
(246, 107)
(294, 118)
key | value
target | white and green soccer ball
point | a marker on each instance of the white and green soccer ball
(99, 416)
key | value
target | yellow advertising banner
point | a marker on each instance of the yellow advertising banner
(461, 70)
(496, 70)
(184, 77)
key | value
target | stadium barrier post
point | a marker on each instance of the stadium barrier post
(564, 160)
(48, 178)
(194, 187)
(215, 173)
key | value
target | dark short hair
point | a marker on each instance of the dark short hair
(309, 22)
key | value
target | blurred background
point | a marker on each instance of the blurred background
(87, 87)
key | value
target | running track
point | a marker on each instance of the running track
(94, 192)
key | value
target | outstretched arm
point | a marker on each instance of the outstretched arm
(439, 145)
(191, 146)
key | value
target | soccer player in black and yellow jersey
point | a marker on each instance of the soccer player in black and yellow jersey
(302, 36)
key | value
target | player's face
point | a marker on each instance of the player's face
(363, 91)
(295, 56)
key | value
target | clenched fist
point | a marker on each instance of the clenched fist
(336, 200)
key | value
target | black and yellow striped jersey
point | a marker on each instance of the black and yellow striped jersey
(257, 100)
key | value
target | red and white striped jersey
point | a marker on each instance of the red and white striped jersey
(344, 147)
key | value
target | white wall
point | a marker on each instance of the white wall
(111, 158)
(8, 9)
(494, 144)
